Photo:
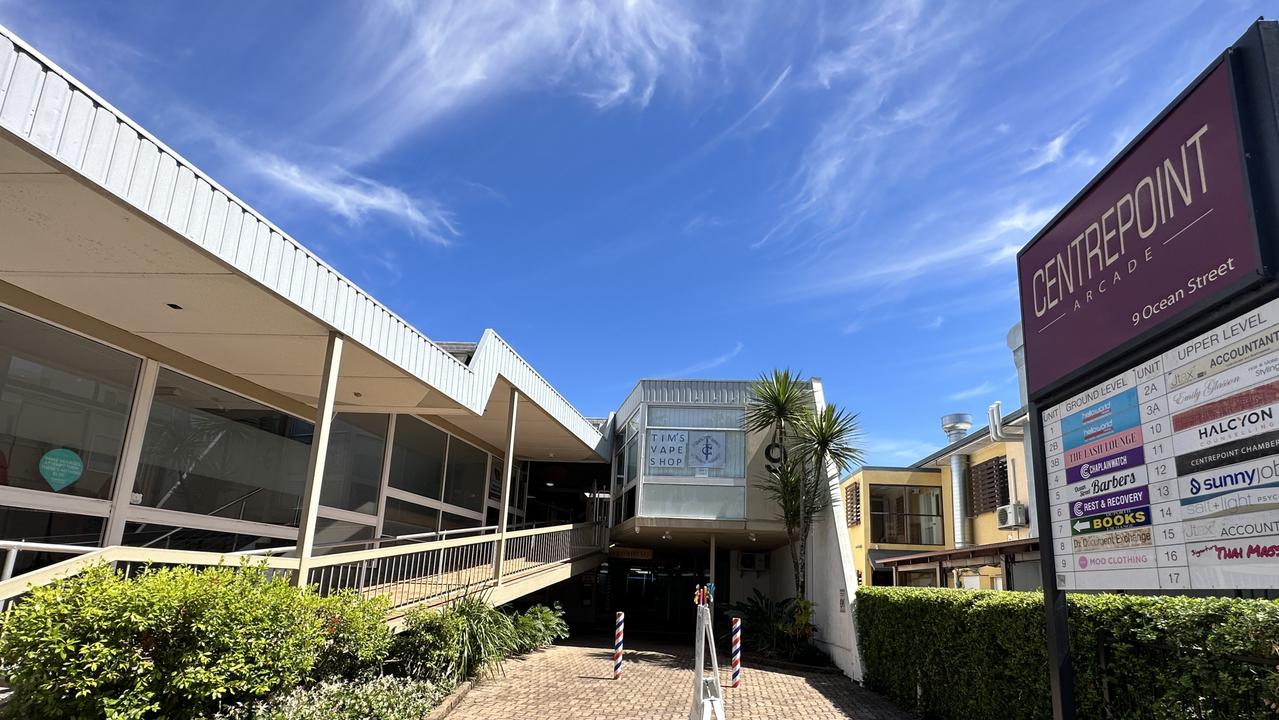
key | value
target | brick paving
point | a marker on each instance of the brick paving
(575, 683)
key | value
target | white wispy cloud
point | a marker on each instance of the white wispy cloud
(1051, 151)
(355, 197)
(1010, 227)
(329, 186)
(902, 450)
(710, 364)
(411, 64)
(935, 323)
(892, 95)
(985, 388)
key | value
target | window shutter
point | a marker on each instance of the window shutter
(853, 504)
(988, 486)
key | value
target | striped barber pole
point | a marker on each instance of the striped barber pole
(618, 630)
(737, 651)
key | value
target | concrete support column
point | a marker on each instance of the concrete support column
(131, 458)
(319, 453)
(508, 469)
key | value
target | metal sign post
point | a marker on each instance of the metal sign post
(708, 696)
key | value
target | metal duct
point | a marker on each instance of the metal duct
(956, 427)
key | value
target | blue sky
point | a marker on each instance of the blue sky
(651, 188)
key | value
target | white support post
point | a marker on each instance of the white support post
(134, 433)
(508, 465)
(319, 453)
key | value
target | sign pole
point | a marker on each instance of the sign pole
(1061, 673)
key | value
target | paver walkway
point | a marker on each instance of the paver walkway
(575, 683)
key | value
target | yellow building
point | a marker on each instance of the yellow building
(917, 526)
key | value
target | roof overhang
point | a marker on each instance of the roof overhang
(113, 228)
(971, 556)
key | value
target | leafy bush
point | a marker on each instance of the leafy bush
(172, 642)
(429, 646)
(382, 698)
(776, 628)
(976, 654)
(358, 636)
(538, 627)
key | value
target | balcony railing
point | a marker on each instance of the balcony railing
(408, 570)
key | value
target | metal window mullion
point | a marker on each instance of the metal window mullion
(385, 482)
(131, 458)
(444, 480)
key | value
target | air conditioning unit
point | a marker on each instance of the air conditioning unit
(753, 562)
(1010, 517)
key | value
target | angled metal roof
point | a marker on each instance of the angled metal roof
(49, 109)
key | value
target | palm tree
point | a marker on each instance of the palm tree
(799, 497)
(782, 402)
(821, 438)
(777, 402)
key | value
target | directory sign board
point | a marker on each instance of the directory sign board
(1165, 230)
(1166, 476)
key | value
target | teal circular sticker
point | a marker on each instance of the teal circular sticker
(61, 467)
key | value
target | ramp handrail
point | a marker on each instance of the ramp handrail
(408, 574)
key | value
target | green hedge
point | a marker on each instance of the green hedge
(978, 654)
(177, 642)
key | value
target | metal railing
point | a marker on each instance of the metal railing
(13, 547)
(408, 570)
(437, 571)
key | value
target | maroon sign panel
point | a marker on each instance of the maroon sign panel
(1166, 230)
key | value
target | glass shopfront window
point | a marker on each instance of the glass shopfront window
(695, 442)
(464, 485)
(451, 521)
(706, 502)
(47, 527)
(417, 457)
(64, 405)
(180, 538)
(406, 518)
(906, 515)
(353, 469)
(335, 536)
(212, 452)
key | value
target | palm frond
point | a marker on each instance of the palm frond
(832, 434)
(777, 401)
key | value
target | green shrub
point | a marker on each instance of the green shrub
(974, 654)
(172, 642)
(382, 698)
(538, 627)
(486, 637)
(358, 636)
(776, 628)
(468, 639)
(429, 646)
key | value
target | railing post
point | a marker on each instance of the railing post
(10, 560)
(508, 465)
(319, 453)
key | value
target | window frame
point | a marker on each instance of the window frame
(940, 515)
